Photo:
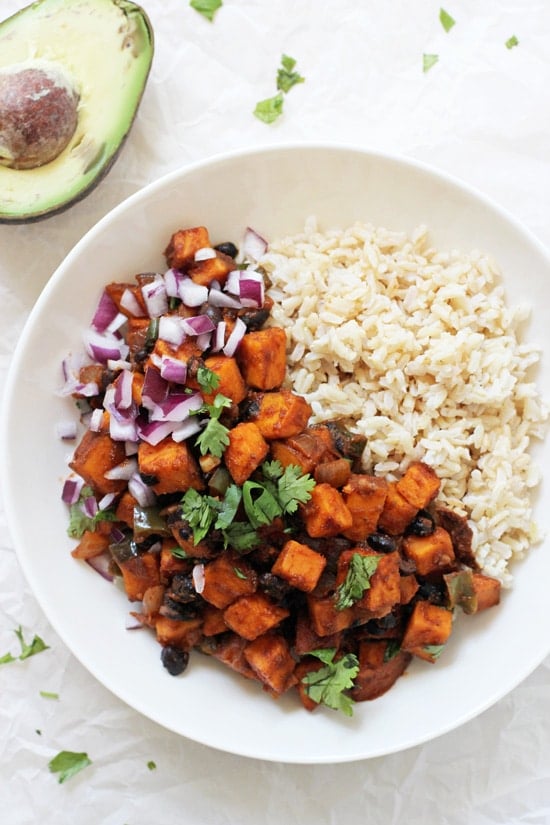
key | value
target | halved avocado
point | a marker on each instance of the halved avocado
(95, 52)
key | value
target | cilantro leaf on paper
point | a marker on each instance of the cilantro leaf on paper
(37, 645)
(511, 42)
(286, 76)
(428, 61)
(327, 685)
(270, 109)
(46, 694)
(446, 20)
(360, 572)
(152, 765)
(207, 8)
(68, 763)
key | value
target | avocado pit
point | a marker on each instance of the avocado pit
(38, 114)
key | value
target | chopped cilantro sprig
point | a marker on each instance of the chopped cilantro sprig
(327, 685)
(68, 763)
(79, 521)
(214, 438)
(271, 108)
(357, 581)
(37, 645)
(207, 8)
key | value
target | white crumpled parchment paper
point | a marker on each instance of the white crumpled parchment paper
(482, 114)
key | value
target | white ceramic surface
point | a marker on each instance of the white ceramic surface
(273, 190)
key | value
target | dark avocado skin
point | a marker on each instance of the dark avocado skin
(128, 8)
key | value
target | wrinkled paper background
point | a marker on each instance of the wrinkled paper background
(482, 113)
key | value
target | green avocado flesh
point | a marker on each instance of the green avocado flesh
(105, 48)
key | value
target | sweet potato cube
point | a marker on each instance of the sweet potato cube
(325, 514)
(384, 589)
(139, 573)
(408, 586)
(252, 616)
(226, 579)
(379, 669)
(269, 657)
(304, 450)
(213, 621)
(288, 456)
(281, 414)
(212, 269)
(125, 509)
(183, 245)
(487, 591)
(90, 545)
(245, 452)
(305, 666)
(183, 634)
(262, 358)
(325, 618)
(231, 383)
(364, 496)
(172, 464)
(430, 553)
(306, 639)
(116, 291)
(229, 650)
(299, 565)
(397, 512)
(170, 564)
(419, 485)
(429, 626)
(95, 455)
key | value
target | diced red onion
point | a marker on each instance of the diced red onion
(198, 325)
(154, 295)
(104, 346)
(106, 501)
(153, 432)
(171, 330)
(71, 490)
(198, 578)
(233, 281)
(143, 494)
(186, 429)
(118, 364)
(116, 535)
(217, 298)
(123, 471)
(172, 278)
(192, 294)
(118, 321)
(205, 253)
(176, 407)
(96, 420)
(251, 292)
(66, 430)
(123, 390)
(131, 448)
(172, 369)
(237, 334)
(219, 337)
(89, 507)
(155, 388)
(105, 313)
(102, 565)
(203, 341)
(123, 429)
(253, 246)
(130, 303)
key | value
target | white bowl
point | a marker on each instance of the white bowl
(274, 190)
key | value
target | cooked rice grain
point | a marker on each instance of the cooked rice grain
(417, 350)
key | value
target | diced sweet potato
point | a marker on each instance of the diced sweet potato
(325, 618)
(115, 291)
(125, 508)
(252, 616)
(433, 553)
(429, 626)
(325, 514)
(182, 634)
(364, 496)
(231, 383)
(229, 649)
(304, 450)
(170, 564)
(397, 512)
(226, 578)
(138, 574)
(172, 464)
(262, 358)
(305, 666)
(183, 245)
(95, 455)
(246, 450)
(213, 621)
(419, 485)
(269, 657)
(299, 565)
(280, 414)
(378, 671)
(409, 586)
(90, 545)
(384, 589)
(487, 591)
(306, 639)
(211, 269)
(288, 456)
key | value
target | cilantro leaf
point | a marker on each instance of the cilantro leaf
(392, 649)
(214, 438)
(179, 553)
(239, 574)
(272, 470)
(79, 522)
(7, 658)
(37, 645)
(68, 763)
(327, 685)
(434, 651)
(286, 76)
(207, 8)
(208, 379)
(511, 42)
(260, 509)
(152, 765)
(429, 60)
(294, 487)
(270, 109)
(360, 571)
(199, 512)
(241, 536)
(446, 20)
(227, 508)
(46, 694)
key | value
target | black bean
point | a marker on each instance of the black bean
(149, 479)
(381, 542)
(174, 660)
(274, 586)
(183, 589)
(422, 524)
(227, 248)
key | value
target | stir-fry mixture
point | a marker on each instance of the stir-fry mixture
(236, 528)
